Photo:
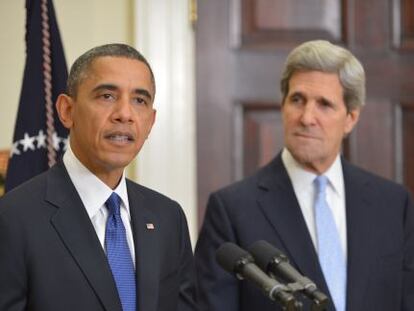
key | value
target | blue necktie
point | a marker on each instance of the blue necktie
(331, 256)
(119, 255)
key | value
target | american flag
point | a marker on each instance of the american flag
(39, 137)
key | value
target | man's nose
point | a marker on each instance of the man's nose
(308, 116)
(123, 110)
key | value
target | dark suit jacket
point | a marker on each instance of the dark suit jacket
(380, 234)
(51, 258)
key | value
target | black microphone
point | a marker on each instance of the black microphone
(237, 261)
(272, 260)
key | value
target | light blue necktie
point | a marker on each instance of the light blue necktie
(331, 256)
(119, 255)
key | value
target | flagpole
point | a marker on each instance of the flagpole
(47, 81)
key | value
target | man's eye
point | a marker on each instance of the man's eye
(296, 99)
(325, 104)
(107, 96)
(139, 100)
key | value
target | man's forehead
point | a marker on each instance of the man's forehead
(105, 68)
(315, 79)
(103, 62)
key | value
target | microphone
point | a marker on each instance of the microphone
(273, 261)
(237, 261)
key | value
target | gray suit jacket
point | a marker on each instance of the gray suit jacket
(51, 258)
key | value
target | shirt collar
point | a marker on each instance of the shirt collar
(336, 177)
(299, 177)
(92, 191)
(303, 178)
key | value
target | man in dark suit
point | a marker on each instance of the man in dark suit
(81, 236)
(349, 231)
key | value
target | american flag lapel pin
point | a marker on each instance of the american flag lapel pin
(150, 226)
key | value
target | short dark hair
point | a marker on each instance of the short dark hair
(82, 63)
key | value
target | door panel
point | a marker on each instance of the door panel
(241, 46)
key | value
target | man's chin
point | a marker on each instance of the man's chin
(117, 161)
(120, 163)
(306, 156)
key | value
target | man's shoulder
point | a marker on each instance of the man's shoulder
(382, 184)
(246, 184)
(146, 192)
(260, 179)
(157, 202)
(30, 186)
(24, 197)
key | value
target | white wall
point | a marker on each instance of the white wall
(12, 19)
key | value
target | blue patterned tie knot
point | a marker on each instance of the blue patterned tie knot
(119, 255)
(114, 205)
(331, 256)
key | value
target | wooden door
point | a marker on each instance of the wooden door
(241, 46)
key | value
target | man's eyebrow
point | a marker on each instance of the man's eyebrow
(109, 87)
(113, 87)
(143, 92)
(325, 100)
(297, 93)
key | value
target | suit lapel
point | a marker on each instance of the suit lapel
(288, 221)
(278, 202)
(76, 231)
(360, 234)
(145, 227)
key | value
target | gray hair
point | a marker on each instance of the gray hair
(81, 66)
(324, 56)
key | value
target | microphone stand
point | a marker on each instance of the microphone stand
(287, 305)
(318, 304)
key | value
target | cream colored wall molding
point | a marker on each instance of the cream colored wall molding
(165, 35)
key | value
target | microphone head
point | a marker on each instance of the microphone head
(232, 258)
(265, 253)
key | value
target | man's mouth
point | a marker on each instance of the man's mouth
(306, 135)
(120, 137)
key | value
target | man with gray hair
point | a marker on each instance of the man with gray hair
(349, 231)
(81, 236)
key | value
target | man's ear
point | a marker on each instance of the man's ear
(64, 107)
(153, 117)
(351, 120)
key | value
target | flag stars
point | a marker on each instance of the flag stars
(41, 140)
(15, 150)
(56, 140)
(28, 142)
(65, 142)
(38, 141)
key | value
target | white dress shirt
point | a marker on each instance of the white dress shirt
(303, 185)
(94, 193)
